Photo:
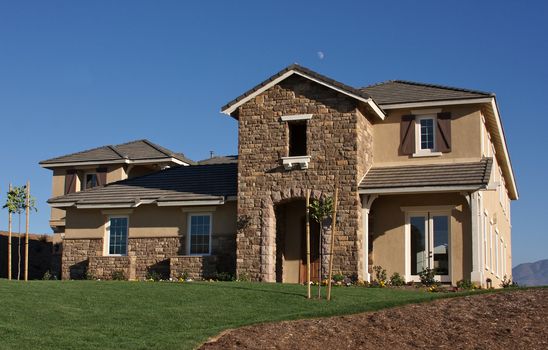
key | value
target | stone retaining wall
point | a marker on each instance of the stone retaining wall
(195, 267)
(103, 267)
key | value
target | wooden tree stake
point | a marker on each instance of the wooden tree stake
(9, 241)
(309, 293)
(333, 231)
(27, 209)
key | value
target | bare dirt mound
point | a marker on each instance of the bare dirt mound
(508, 320)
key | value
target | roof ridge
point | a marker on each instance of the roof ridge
(113, 148)
(158, 147)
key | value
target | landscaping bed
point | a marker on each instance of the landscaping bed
(502, 320)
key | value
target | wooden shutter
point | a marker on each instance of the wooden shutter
(101, 176)
(70, 181)
(443, 132)
(407, 134)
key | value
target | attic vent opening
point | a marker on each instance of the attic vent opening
(297, 138)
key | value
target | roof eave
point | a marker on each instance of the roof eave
(232, 107)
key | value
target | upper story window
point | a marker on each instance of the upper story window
(90, 181)
(95, 178)
(297, 148)
(297, 138)
(425, 133)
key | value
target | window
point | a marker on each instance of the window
(426, 133)
(199, 232)
(297, 138)
(117, 232)
(90, 181)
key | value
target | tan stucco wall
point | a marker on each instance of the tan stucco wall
(500, 220)
(465, 136)
(388, 243)
(148, 221)
(116, 173)
(57, 189)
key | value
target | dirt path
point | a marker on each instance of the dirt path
(510, 320)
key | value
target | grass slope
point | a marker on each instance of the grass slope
(138, 315)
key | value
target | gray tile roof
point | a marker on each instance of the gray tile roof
(134, 150)
(452, 174)
(401, 91)
(306, 71)
(175, 184)
(219, 160)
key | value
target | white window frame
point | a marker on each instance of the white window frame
(189, 226)
(425, 152)
(107, 234)
(428, 211)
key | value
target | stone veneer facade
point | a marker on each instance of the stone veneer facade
(339, 141)
(82, 256)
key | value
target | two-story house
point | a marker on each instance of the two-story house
(102, 165)
(423, 172)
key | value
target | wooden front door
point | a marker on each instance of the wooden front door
(314, 253)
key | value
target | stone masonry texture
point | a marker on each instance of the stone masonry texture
(83, 256)
(339, 141)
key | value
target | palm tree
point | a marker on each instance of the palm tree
(17, 203)
(321, 211)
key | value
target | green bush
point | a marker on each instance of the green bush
(118, 275)
(397, 280)
(153, 275)
(338, 277)
(465, 284)
(427, 277)
(47, 276)
(224, 276)
(508, 283)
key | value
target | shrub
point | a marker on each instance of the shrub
(89, 276)
(465, 284)
(397, 280)
(153, 275)
(47, 276)
(427, 277)
(243, 277)
(224, 276)
(508, 283)
(338, 277)
(118, 275)
(380, 275)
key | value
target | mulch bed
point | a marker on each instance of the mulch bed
(509, 320)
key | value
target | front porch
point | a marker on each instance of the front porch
(408, 233)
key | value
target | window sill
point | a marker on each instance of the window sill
(290, 163)
(426, 154)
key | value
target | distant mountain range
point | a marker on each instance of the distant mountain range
(531, 274)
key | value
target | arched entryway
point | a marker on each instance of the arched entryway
(291, 242)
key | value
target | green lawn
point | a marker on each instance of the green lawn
(145, 315)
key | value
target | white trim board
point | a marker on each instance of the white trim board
(429, 189)
(376, 108)
(115, 161)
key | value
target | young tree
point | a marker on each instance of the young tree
(16, 203)
(320, 211)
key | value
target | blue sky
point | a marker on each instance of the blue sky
(80, 74)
